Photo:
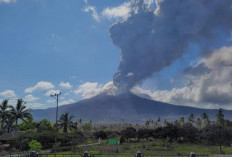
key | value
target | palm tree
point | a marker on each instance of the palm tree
(20, 111)
(66, 122)
(199, 123)
(205, 119)
(3, 111)
(191, 118)
(9, 123)
(181, 121)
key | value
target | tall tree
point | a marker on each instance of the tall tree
(165, 122)
(65, 122)
(4, 111)
(199, 123)
(20, 111)
(220, 117)
(181, 121)
(147, 123)
(9, 123)
(44, 125)
(205, 119)
(191, 118)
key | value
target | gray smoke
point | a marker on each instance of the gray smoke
(151, 40)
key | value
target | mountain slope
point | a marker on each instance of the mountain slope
(128, 107)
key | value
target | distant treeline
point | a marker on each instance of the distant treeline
(191, 130)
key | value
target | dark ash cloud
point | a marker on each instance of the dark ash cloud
(151, 40)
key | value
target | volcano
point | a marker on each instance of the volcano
(124, 107)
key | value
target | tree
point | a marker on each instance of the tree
(199, 123)
(220, 117)
(165, 122)
(35, 146)
(66, 122)
(100, 134)
(147, 123)
(44, 125)
(3, 111)
(205, 119)
(191, 118)
(170, 132)
(20, 111)
(217, 135)
(181, 121)
(129, 132)
(28, 124)
(157, 123)
(8, 124)
(188, 132)
(87, 126)
(145, 133)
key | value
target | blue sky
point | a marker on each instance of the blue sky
(48, 46)
(53, 41)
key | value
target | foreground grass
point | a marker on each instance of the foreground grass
(153, 148)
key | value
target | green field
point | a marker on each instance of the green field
(154, 148)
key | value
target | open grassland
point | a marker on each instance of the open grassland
(154, 148)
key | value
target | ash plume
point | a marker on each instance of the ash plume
(151, 40)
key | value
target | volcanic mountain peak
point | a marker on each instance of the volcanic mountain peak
(127, 106)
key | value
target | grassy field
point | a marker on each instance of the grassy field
(154, 148)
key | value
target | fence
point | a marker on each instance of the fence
(138, 154)
(86, 154)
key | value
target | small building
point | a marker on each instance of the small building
(114, 139)
(6, 137)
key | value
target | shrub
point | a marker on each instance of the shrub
(35, 146)
(100, 134)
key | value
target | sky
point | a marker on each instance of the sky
(51, 46)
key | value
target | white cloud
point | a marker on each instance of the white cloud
(90, 89)
(122, 11)
(7, 1)
(30, 98)
(35, 105)
(210, 89)
(42, 85)
(51, 101)
(66, 102)
(51, 92)
(130, 74)
(66, 85)
(180, 96)
(62, 102)
(92, 10)
(8, 94)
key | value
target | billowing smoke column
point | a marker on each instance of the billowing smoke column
(153, 39)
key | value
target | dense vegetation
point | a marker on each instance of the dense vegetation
(71, 134)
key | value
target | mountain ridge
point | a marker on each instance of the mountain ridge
(124, 107)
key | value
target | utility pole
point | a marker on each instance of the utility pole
(56, 96)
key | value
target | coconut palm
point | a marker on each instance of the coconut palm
(65, 122)
(205, 119)
(19, 112)
(191, 118)
(9, 123)
(3, 111)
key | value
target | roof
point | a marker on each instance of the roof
(9, 136)
(113, 135)
(4, 146)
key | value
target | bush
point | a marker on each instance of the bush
(35, 146)
(100, 134)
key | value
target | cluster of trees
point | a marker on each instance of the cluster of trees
(199, 122)
(191, 129)
(10, 115)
